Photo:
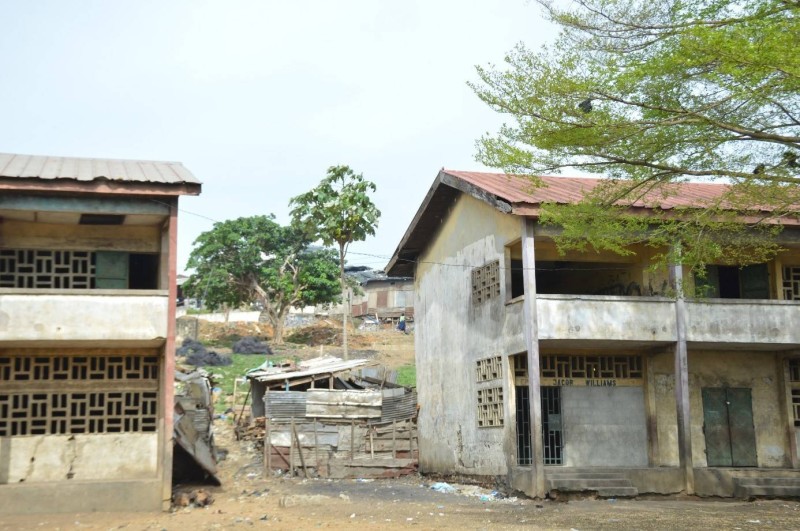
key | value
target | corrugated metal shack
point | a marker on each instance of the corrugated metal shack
(332, 418)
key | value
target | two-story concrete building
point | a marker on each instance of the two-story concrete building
(590, 371)
(87, 306)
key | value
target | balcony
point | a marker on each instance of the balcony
(103, 316)
(592, 321)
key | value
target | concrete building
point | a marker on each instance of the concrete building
(585, 371)
(87, 306)
(382, 296)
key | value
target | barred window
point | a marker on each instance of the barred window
(791, 283)
(486, 282)
(794, 388)
(47, 394)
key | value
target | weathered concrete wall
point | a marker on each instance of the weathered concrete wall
(592, 317)
(452, 334)
(742, 321)
(604, 426)
(81, 496)
(755, 370)
(63, 315)
(39, 458)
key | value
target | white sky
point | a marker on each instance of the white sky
(259, 98)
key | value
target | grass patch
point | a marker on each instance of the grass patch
(407, 375)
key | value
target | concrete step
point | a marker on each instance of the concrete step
(761, 487)
(569, 474)
(618, 492)
(586, 483)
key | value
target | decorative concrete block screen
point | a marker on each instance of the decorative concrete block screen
(791, 283)
(486, 282)
(489, 369)
(46, 269)
(50, 394)
(625, 367)
(490, 407)
(794, 388)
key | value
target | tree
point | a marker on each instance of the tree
(650, 94)
(338, 211)
(256, 259)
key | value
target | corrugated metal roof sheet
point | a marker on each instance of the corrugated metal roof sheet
(321, 365)
(519, 190)
(84, 169)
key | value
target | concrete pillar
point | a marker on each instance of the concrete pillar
(169, 246)
(682, 382)
(531, 329)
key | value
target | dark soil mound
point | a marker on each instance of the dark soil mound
(198, 355)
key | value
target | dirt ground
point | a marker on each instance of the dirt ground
(247, 499)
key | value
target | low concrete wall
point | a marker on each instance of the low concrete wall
(742, 321)
(48, 458)
(75, 315)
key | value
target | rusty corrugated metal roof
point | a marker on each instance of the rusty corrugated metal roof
(520, 192)
(87, 169)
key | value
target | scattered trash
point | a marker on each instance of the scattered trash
(443, 487)
(196, 498)
(251, 345)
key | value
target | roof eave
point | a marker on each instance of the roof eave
(99, 186)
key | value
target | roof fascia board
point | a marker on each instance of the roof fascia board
(106, 205)
(474, 191)
(99, 187)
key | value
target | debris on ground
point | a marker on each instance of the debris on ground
(251, 345)
(195, 498)
(198, 355)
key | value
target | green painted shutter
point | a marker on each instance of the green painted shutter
(111, 270)
(755, 282)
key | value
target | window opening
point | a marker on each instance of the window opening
(551, 426)
(733, 282)
(490, 407)
(143, 271)
(515, 273)
(791, 283)
(489, 369)
(794, 388)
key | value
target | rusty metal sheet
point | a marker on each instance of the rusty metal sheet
(336, 403)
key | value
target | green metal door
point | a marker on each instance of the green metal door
(728, 426)
(111, 270)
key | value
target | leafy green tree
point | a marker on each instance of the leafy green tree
(338, 211)
(255, 259)
(649, 94)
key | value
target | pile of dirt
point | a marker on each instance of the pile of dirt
(327, 333)
(198, 355)
(251, 345)
(227, 333)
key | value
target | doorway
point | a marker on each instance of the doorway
(728, 426)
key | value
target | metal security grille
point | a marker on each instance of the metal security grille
(46, 269)
(490, 407)
(551, 426)
(68, 394)
(524, 447)
(489, 369)
(486, 282)
(794, 384)
(628, 367)
(791, 283)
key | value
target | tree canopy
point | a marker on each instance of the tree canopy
(255, 259)
(338, 211)
(649, 94)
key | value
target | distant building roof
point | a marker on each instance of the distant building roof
(82, 171)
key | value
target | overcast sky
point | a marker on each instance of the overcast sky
(258, 98)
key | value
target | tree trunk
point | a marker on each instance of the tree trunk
(278, 326)
(345, 303)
